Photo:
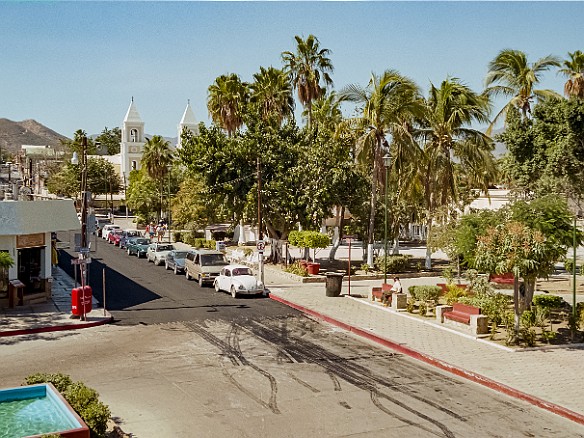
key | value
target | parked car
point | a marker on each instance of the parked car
(238, 280)
(114, 236)
(157, 252)
(101, 222)
(204, 265)
(137, 246)
(107, 228)
(127, 234)
(175, 260)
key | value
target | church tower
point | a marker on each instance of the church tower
(188, 121)
(133, 142)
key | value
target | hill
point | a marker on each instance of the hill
(14, 134)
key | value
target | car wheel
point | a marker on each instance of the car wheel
(201, 283)
(157, 262)
(129, 252)
(233, 292)
(187, 275)
(166, 267)
(217, 289)
(175, 270)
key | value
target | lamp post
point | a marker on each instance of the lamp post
(386, 164)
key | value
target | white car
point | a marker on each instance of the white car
(157, 252)
(107, 228)
(238, 280)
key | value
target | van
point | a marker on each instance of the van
(204, 265)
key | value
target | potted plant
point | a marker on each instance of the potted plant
(6, 262)
(311, 240)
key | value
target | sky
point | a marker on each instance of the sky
(76, 65)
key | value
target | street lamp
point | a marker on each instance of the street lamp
(386, 164)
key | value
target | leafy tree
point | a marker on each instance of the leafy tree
(142, 195)
(308, 67)
(190, 208)
(110, 140)
(573, 69)
(228, 97)
(511, 75)
(75, 145)
(157, 159)
(271, 95)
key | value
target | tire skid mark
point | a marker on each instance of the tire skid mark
(303, 383)
(350, 372)
(336, 383)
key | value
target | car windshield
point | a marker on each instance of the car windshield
(165, 248)
(180, 254)
(142, 242)
(213, 260)
(241, 271)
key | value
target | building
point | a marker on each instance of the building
(25, 234)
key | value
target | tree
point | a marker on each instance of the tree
(142, 195)
(573, 69)
(226, 102)
(511, 75)
(75, 145)
(307, 68)
(157, 159)
(271, 95)
(190, 208)
(447, 135)
(110, 140)
(388, 105)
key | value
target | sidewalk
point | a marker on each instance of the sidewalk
(54, 315)
(548, 378)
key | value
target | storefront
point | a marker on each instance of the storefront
(25, 234)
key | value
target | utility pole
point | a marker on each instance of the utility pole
(260, 233)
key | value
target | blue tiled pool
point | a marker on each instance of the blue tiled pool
(33, 410)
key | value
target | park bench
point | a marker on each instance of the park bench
(506, 278)
(376, 293)
(464, 314)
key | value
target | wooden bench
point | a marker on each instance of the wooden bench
(506, 278)
(462, 312)
(376, 292)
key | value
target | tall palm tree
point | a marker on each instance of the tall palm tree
(573, 69)
(157, 159)
(326, 112)
(510, 74)
(307, 68)
(271, 91)
(388, 105)
(448, 139)
(226, 102)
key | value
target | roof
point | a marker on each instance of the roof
(188, 118)
(132, 115)
(30, 217)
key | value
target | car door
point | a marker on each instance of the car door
(225, 279)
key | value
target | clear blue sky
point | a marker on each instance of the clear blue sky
(75, 65)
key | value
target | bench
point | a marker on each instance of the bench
(462, 312)
(376, 292)
(506, 278)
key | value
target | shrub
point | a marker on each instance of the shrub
(422, 309)
(177, 235)
(365, 267)
(309, 239)
(395, 264)
(479, 284)
(424, 293)
(493, 305)
(454, 293)
(84, 400)
(247, 252)
(296, 269)
(548, 301)
(569, 265)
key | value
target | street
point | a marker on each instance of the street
(181, 361)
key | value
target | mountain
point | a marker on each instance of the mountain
(14, 134)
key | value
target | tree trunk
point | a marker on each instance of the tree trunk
(371, 230)
(337, 243)
(276, 251)
(428, 264)
(516, 303)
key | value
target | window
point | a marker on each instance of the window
(134, 165)
(134, 135)
(242, 271)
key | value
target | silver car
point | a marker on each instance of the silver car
(175, 260)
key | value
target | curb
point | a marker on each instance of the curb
(469, 375)
(56, 328)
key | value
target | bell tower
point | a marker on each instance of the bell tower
(188, 121)
(133, 142)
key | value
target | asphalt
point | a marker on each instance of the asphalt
(546, 377)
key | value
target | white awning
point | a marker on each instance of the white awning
(30, 217)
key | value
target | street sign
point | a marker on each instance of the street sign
(261, 245)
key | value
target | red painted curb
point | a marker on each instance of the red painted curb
(469, 375)
(56, 328)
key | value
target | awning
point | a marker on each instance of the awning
(29, 217)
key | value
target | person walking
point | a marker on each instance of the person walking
(161, 231)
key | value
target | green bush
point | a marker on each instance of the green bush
(569, 265)
(247, 252)
(454, 293)
(84, 400)
(548, 301)
(309, 239)
(365, 267)
(424, 293)
(493, 305)
(296, 269)
(395, 264)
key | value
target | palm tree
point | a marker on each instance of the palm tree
(271, 91)
(226, 102)
(511, 75)
(388, 105)
(326, 112)
(307, 68)
(157, 159)
(448, 139)
(573, 69)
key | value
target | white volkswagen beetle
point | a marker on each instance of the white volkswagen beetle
(238, 280)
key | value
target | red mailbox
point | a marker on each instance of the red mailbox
(80, 301)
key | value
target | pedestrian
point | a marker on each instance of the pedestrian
(151, 230)
(396, 288)
(161, 231)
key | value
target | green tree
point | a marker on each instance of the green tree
(511, 75)
(157, 159)
(271, 95)
(447, 136)
(387, 105)
(308, 67)
(110, 140)
(226, 102)
(75, 145)
(573, 69)
(142, 195)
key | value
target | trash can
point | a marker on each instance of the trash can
(334, 283)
